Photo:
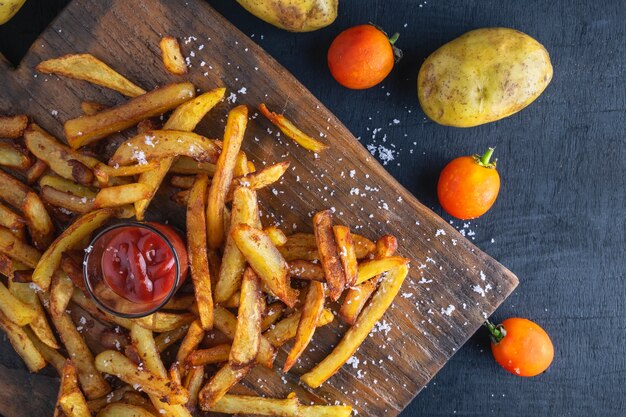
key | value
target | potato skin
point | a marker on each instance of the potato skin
(294, 15)
(483, 76)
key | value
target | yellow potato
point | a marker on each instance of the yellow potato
(295, 16)
(483, 76)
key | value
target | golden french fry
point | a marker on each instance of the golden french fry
(67, 200)
(13, 126)
(306, 270)
(241, 165)
(272, 314)
(68, 186)
(329, 254)
(16, 249)
(193, 384)
(347, 253)
(163, 321)
(374, 267)
(245, 211)
(124, 410)
(276, 235)
(174, 374)
(172, 57)
(182, 181)
(38, 221)
(92, 107)
(89, 68)
(9, 219)
(12, 156)
(215, 354)
(35, 171)
(82, 300)
(121, 195)
(12, 191)
(310, 314)
(220, 384)
(134, 398)
(289, 407)
(325, 411)
(39, 325)
(92, 382)
(220, 184)
(61, 289)
(259, 179)
(88, 129)
(197, 250)
(104, 171)
(286, 329)
(190, 342)
(22, 344)
(114, 363)
(291, 131)
(166, 339)
(302, 246)
(356, 334)
(74, 234)
(245, 346)
(71, 399)
(187, 166)
(50, 355)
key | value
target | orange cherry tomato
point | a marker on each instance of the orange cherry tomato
(468, 186)
(361, 57)
(521, 347)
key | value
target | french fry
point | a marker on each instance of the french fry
(374, 267)
(197, 250)
(245, 210)
(286, 329)
(61, 289)
(16, 249)
(193, 384)
(68, 186)
(38, 221)
(311, 311)
(241, 165)
(36, 170)
(172, 57)
(134, 398)
(272, 314)
(266, 261)
(233, 302)
(92, 107)
(89, 68)
(12, 156)
(124, 410)
(356, 334)
(67, 200)
(325, 411)
(22, 344)
(9, 219)
(182, 181)
(158, 144)
(187, 166)
(291, 131)
(174, 374)
(51, 356)
(180, 302)
(73, 270)
(39, 324)
(215, 354)
(147, 125)
(88, 129)
(92, 382)
(276, 235)
(83, 301)
(289, 407)
(302, 246)
(220, 184)
(71, 399)
(121, 195)
(104, 171)
(74, 234)
(260, 179)
(163, 321)
(347, 253)
(306, 270)
(184, 118)
(13, 126)
(113, 338)
(190, 342)
(329, 254)
(167, 339)
(113, 397)
(220, 384)
(114, 363)
(245, 346)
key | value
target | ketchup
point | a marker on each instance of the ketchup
(139, 265)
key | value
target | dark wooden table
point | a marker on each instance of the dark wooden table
(560, 220)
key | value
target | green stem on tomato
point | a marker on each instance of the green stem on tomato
(394, 38)
(496, 333)
(484, 160)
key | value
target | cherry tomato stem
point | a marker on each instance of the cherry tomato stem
(484, 160)
(394, 38)
(496, 333)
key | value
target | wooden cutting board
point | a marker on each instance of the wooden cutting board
(452, 286)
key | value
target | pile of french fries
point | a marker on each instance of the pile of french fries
(254, 288)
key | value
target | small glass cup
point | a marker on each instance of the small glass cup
(99, 289)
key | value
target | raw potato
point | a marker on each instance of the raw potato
(483, 76)
(295, 16)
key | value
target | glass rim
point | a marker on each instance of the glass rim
(130, 223)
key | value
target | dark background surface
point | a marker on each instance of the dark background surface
(560, 220)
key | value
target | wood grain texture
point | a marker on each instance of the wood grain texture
(397, 361)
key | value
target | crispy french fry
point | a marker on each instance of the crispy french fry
(215, 354)
(172, 57)
(220, 184)
(182, 181)
(272, 314)
(167, 339)
(374, 267)
(190, 342)
(13, 126)
(16, 249)
(291, 131)
(266, 261)
(50, 355)
(163, 321)
(220, 384)
(22, 344)
(124, 410)
(289, 407)
(197, 250)
(187, 166)
(36, 170)
(74, 271)
(12, 191)
(104, 171)
(259, 179)
(61, 289)
(71, 399)
(84, 302)
(329, 254)
(241, 164)
(75, 233)
(306, 270)
(302, 246)
(38, 221)
(347, 253)
(12, 156)
(92, 382)
(174, 374)
(193, 384)
(286, 329)
(39, 325)
(121, 195)
(276, 235)
(92, 107)
(245, 346)
(233, 302)
(89, 68)
(245, 211)
(356, 334)
(134, 398)
(113, 338)
(311, 311)
(114, 363)
(325, 411)
(9, 219)
(67, 200)
(68, 186)
(88, 129)
(113, 397)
